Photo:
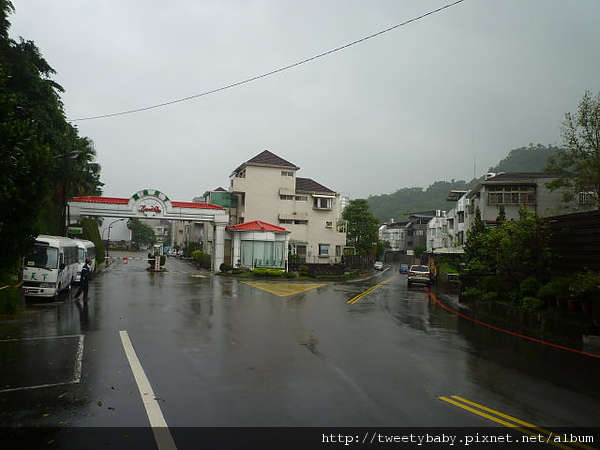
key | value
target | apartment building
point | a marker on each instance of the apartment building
(266, 188)
(510, 191)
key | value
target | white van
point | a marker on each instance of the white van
(85, 250)
(51, 267)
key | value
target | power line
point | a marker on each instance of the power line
(273, 72)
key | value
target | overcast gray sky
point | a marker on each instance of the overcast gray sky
(442, 98)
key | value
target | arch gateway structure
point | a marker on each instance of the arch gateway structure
(153, 204)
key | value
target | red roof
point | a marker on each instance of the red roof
(113, 200)
(195, 205)
(257, 225)
(124, 201)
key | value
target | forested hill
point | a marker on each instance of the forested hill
(408, 200)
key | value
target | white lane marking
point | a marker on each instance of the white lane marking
(78, 361)
(163, 437)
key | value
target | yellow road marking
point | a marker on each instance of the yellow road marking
(354, 300)
(284, 289)
(514, 423)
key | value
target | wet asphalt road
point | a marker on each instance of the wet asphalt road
(219, 352)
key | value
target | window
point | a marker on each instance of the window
(301, 222)
(323, 249)
(286, 197)
(328, 224)
(285, 173)
(290, 221)
(323, 203)
(461, 216)
(511, 195)
(241, 174)
(587, 198)
(301, 198)
(262, 253)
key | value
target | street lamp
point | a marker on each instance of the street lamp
(63, 213)
(108, 238)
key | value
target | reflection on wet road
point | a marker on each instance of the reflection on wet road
(222, 351)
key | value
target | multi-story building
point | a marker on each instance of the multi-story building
(267, 188)
(509, 191)
(393, 233)
(520, 189)
(416, 229)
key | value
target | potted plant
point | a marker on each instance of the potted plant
(584, 288)
(555, 292)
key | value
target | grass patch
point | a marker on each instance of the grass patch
(10, 296)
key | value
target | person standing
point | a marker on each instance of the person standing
(84, 281)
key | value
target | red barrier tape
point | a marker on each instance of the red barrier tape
(529, 338)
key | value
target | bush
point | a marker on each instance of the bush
(557, 288)
(529, 287)
(491, 296)
(201, 259)
(10, 297)
(492, 283)
(472, 293)
(224, 267)
(532, 303)
(265, 272)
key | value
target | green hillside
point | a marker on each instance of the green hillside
(404, 201)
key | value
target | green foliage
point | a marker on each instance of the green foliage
(265, 272)
(419, 250)
(404, 201)
(532, 303)
(532, 158)
(190, 248)
(141, 234)
(224, 267)
(529, 287)
(472, 293)
(91, 232)
(585, 284)
(491, 296)
(578, 164)
(35, 178)
(363, 226)
(202, 259)
(555, 288)
(294, 258)
(10, 297)
(516, 249)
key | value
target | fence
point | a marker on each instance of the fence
(576, 241)
(348, 262)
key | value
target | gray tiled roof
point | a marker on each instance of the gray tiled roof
(267, 158)
(308, 185)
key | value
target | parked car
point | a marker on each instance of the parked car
(378, 265)
(403, 268)
(419, 274)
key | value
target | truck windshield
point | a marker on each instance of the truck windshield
(42, 257)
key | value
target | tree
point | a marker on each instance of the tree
(35, 178)
(363, 226)
(141, 234)
(514, 249)
(578, 164)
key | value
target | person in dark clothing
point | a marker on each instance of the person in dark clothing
(84, 281)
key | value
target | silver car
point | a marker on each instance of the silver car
(419, 274)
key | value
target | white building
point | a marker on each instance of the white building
(267, 189)
(508, 191)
